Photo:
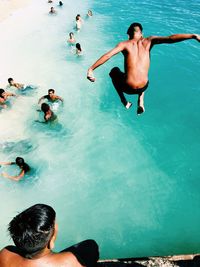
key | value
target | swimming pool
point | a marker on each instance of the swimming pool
(131, 183)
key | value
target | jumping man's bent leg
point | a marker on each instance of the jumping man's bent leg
(140, 108)
(118, 82)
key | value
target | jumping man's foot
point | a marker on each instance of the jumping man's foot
(140, 110)
(128, 105)
(90, 78)
(90, 75)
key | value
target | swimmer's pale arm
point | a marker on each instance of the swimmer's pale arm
(103, 59)
(173, 38)
(6, 163)
(10, 94)
(15, 178)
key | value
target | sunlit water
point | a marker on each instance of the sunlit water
(132, 183)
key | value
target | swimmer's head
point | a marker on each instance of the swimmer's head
(10, 80)
(135, 30)
(78, 16)
(51, 91)
(71, 35)
(78, 46)
(2, 92)
(34, 229)
(45, 107)
(89, 13)
(19, 161)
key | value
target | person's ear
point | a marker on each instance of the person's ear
(51, 243)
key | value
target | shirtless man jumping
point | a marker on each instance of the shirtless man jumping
(136, 53)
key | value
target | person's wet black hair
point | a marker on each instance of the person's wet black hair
(78, 46)
(19, 161)
(131, 28)
(1, 91)
(78, 16)
(51, 90)
(45, 107)
(10, 80)
(32, 229)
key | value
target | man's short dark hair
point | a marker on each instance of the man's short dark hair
(51, 90)
(32, 229)
(131, 28)
(10, 80)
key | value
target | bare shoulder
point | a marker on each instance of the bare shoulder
(4, 257)
(67, 258)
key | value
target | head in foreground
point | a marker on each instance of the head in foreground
(33, 230)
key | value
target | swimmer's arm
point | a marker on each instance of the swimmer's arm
(173, 38)
(15, 178)
(103, 59)
(41, 98)
(60, 98)
(7, 163)
(10, 94)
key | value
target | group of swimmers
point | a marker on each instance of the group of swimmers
(72, 40)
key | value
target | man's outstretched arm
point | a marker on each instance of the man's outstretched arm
(173, 38)
(103, 59)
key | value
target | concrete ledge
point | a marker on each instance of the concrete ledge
(192, 260)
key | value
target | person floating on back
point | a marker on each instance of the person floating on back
(22, 165)
(51, 97)
(11, 82)
(136, 53)
(34, 232)
(71, 39)
(3, 97)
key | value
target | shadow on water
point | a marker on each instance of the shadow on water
(20, 147)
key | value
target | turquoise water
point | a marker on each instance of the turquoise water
(131, 183)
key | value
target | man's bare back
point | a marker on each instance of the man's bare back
(136, 63)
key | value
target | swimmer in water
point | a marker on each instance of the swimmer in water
(71, 39)
(136, 52)
(50, 1)
(51, 97)
(52, 10)
(11, 82)
(3, 98)
(60, 3)
(79, 51)
(79, 22)
(34, 232)
(22, 165)
(89, 13)
(49, 116)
